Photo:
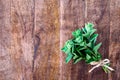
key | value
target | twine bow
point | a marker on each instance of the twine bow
(101, 63)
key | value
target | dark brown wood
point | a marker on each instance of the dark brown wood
(97, 12)
(21, 50)
(32, 32)
(47, 61)
(114, 49)
(22, 23)
(6, 65)
(16, 40)
(72, 17)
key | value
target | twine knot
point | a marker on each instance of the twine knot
(101, 63)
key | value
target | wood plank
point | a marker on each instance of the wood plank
(72, 17)
(6, 67)
(21, 49)
(97, 12)
(114, 48)
(46, 32)
(33, 31)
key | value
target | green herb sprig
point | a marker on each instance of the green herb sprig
(83, 46)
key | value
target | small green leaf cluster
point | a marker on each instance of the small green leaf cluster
(83, 45)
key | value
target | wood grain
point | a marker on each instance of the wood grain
(98, 12)
(114, 48)
(6, 66)
(32, 32)
(21, 50)
(47, 30)
(72, 17)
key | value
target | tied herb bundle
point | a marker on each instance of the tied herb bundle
(83, 47)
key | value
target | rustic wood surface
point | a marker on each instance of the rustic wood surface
(98, 12)
(33, 31)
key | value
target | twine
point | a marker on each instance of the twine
(101, 63)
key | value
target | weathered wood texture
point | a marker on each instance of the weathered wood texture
(71, 18)
(33, 31)
(47, 61)
(98, 12)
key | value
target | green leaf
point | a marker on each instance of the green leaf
(84, 30)
(77, 33)
(69, 57)
(95, 58)
(87, 34)
(99, 56)
(79, 39)
(81, 54)
(69, 43)
(68, 47)
(89, 27)
(77, 60)
(72, 49)
(83, 45)
(89, 61)
(97, 47)
(89, 44)
(82, 48)
(88, 51)
(64, 49)
(93, 37)
(106, 69)
(92, 31)
(75, 56)
(88, 57)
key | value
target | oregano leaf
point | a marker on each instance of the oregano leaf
(69, 57)
(75, 56)
(93, 38)
(76, 33)
(83, 46)
(77, 60)
(97, 47)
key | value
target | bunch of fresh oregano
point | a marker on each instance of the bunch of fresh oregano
(83, 46)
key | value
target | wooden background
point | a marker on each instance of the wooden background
(33, 31)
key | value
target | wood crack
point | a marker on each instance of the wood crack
(36, 46)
